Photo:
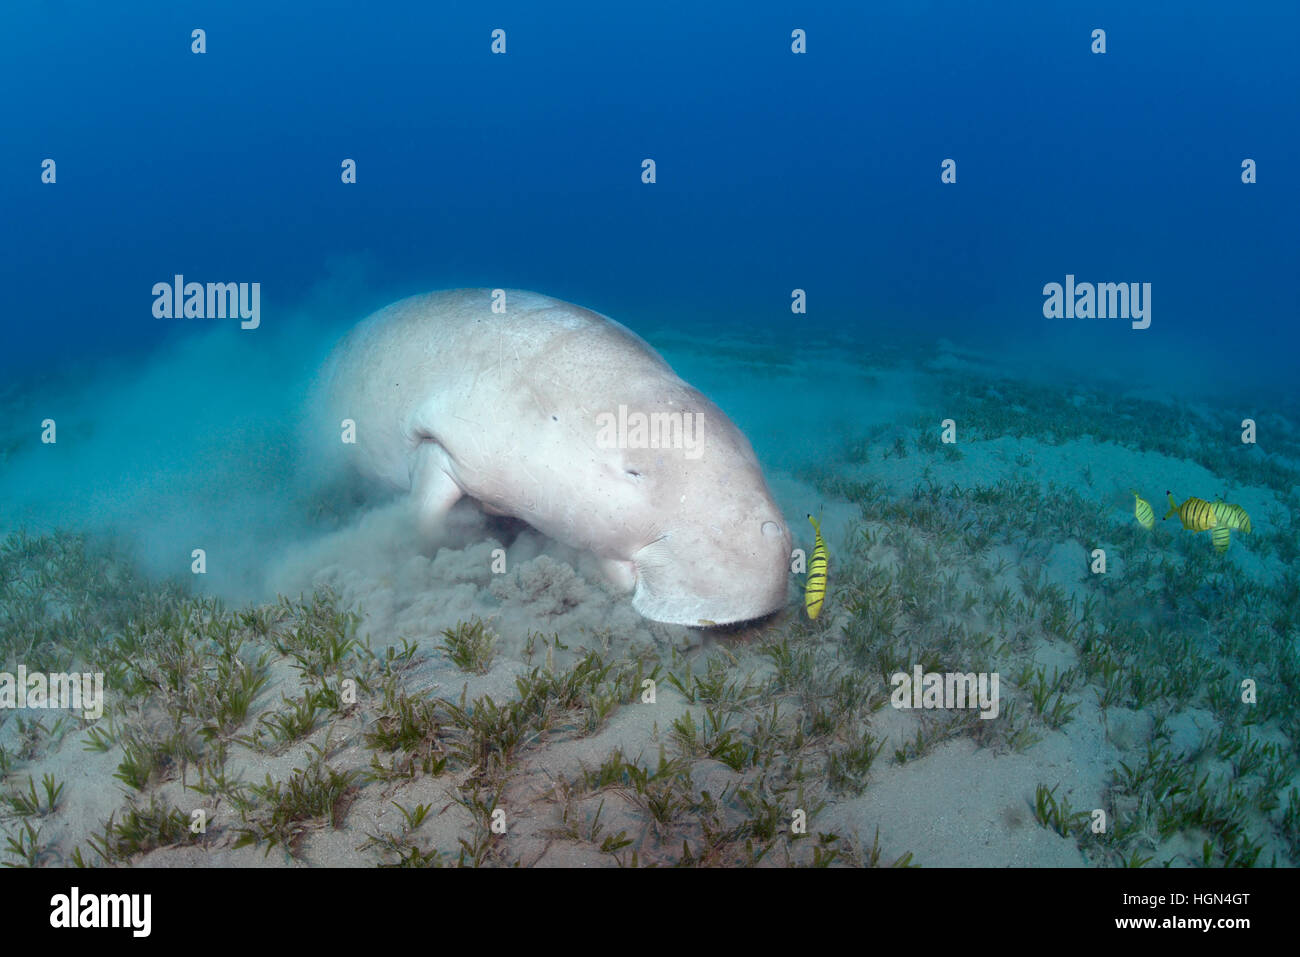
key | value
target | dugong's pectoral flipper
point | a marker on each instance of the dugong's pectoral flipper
(433, 491)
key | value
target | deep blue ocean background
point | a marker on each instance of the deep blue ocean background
(775, 171)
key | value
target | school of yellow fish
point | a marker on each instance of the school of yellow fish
(1219, 518)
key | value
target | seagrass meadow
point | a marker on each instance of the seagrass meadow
(384, 707)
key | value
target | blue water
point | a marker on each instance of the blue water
(775, 171)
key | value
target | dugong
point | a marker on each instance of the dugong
(563, 418)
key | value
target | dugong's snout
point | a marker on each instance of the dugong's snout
(715, 577)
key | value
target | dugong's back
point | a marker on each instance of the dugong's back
(432, 365)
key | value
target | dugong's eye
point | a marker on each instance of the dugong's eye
(633, 473)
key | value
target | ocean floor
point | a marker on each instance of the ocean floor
(331, 693)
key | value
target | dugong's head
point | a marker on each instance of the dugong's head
(702, 541)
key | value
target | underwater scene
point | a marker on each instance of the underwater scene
(701, 434)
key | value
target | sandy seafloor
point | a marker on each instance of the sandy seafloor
(1119, 692)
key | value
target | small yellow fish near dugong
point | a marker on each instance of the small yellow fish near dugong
(815, 589)
(1196, 514)
(1142, 511)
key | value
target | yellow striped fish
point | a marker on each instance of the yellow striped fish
(1221, 537)
(815, 590)
(1142, 511)
(1233, 516)
(1196, 514)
